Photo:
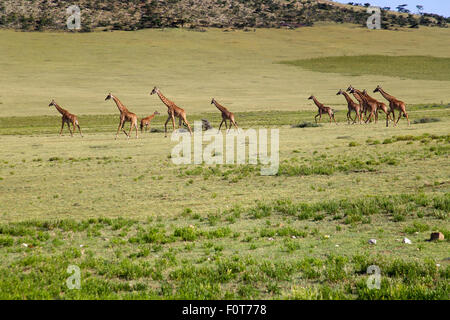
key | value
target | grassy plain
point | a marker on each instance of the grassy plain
(240, 69)
(139, 226)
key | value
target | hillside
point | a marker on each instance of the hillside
(37, 15)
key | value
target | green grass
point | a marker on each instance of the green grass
(409, 67)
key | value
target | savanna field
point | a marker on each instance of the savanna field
(141, 227)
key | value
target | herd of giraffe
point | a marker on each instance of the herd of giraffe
(365, 104)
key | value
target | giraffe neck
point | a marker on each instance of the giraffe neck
(318, 104)
(119, 104)
(219, 106)
(347, 97)
(366, 95)
(166, 101)
(61, 110)
(358, 94)
(387, 96)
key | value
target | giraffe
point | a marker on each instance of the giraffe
(226, 115)
(173, 110)
(125, 116)
(322, 110)
(352, 106)
(369, 103)
(380, 106)
(68, 118)
(360, 102)
(146, 121)
(394, 104)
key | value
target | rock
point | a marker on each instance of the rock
(407, 241)
(270, 239)
(372, 241)
(206, 125)
(25, 245)
(437, 236)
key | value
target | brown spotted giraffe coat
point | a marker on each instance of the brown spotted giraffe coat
(173, 111)
(226, 115)
(67, 118)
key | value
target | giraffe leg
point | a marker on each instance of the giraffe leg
(370, 117)
(356, 117)
(315, 118)
(123, 128)
(79, 129)
(74, 127)
(136, 127)
(179, 122)
(235, 125)
(62, 126)
(165, 127)
(393, 116)
(399, 117)
(221, 124)
(187, 123)
(131, 128)
(70, 130)
(173, 122)
(118, 129)
(407, 118)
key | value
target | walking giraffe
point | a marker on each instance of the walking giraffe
(369, 103)
(68, 118)
(394, 103)
(226, 115)
(173, 110)
(146, 121)
(125, 116)
(322, 110)
(361, 102)
(380, 106)
(352, 106)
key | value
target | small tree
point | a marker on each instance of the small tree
(402, 8)
(419, 9)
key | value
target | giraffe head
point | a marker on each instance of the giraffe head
(213, 100)
(377, 89)
(52, 103)
(156, 113)
(155, 90)
(350, 89)
(364, 92)
(340, 92)
(311, 97)
(109, 96)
